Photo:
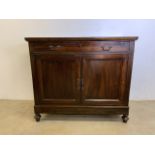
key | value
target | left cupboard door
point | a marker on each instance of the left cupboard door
(56, 79)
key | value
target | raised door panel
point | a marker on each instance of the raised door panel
(58, 79)
(104, 79)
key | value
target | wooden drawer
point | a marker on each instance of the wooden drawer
(87, 46)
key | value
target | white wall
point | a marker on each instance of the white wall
(15, 72)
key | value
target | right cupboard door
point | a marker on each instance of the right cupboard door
(104, 79)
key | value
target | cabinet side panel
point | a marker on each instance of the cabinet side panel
(34, 76)
(129, 71)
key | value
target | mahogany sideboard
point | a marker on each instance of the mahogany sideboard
(82, 75)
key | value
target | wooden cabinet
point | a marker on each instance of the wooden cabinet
(81, 75)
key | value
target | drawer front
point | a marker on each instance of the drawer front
(80, 46)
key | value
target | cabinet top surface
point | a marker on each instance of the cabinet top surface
(123, 38)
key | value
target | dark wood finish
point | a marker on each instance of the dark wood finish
(58, 79)
(125, 118)
(81, 75)
(105, 85)
(125, 38)
(79, 46)
(37, 117)
(83, 110)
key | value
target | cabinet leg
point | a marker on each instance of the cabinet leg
(37, 117)
(125, 118)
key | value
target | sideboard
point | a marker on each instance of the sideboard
(81, 75)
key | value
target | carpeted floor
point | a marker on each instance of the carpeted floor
(16, 117)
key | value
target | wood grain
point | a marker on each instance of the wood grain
(81, 75)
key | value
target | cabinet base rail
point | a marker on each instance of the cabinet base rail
(82, 110)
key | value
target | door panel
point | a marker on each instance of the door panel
(58, 79)
(103, 79)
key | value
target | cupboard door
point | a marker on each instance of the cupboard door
(104, 78)
(58, 78)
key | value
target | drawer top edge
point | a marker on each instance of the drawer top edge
(124, 38)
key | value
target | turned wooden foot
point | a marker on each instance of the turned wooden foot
(37, 117)
(125, 118)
